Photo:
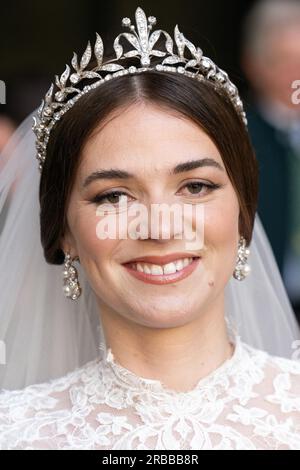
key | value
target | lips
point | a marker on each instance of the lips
(160, 260)
(163, 269)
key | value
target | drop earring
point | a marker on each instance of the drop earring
(242, 268)
(71, 286)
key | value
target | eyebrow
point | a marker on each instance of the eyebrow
(115, 173)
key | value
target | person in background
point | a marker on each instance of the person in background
(271, 63)
(7, 128)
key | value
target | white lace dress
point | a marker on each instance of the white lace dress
(252, 401)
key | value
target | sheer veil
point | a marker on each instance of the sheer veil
(44, 335)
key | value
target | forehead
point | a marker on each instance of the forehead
(145, 136)
(288, 38)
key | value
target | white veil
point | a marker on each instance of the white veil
(43, 334)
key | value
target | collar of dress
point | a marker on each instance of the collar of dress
(240, 360)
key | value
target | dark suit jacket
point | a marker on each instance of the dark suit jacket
(271, 149)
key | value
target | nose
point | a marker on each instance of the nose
(166, 223)
(163, 222)
(158, 221)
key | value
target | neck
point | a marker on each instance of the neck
(178, 357)
(277, 112)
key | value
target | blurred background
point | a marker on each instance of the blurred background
(256, 41)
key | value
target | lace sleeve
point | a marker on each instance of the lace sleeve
(33, 418)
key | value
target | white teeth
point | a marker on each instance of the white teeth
(146, 269)
(168, 268)
(155, 269)
(179, 264)
(139, 268)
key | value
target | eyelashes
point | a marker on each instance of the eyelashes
(108, 197)
(99, 198)
(209, 187)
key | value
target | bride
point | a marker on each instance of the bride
(155, 342)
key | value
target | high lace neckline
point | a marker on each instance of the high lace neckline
(130, 379)
(250, 402)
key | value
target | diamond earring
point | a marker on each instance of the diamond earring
(71, 286)
(242, 268)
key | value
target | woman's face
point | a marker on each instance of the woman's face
(148, 143)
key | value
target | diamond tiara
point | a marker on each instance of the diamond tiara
(141, 42)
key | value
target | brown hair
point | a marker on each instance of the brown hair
(196, 100)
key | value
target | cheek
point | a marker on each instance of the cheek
(90, 247)
(221, 234)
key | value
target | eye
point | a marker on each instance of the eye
(196, 188)
(111, 197)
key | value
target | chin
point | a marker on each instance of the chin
(174, 312)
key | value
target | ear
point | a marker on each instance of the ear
(68, 245)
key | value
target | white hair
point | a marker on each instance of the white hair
(267, 17)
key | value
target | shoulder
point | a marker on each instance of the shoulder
(36, 409)
(280, 379)
(274, 362)
(48, 388)
(265, 397)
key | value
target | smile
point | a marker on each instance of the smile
(163, 273)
